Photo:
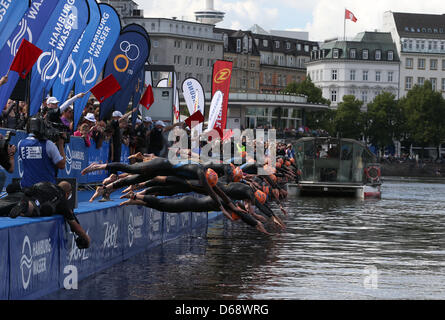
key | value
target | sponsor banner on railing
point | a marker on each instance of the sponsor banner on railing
(76, 159)
(155, 226)
(84, 261)
(34, 258)
(109, 235)
(98, 155)
(135, 229)
(4, 266)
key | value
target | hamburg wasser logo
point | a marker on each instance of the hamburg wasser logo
(222, 75)
(84, 74)
(52, 63)
(26, 262)
(16, 41)
(130, 230)
(33, 259)
(69, 159)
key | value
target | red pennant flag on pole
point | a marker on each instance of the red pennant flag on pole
(349, 15)
(106, 88)
(148, 98)
(25, 58)
(194, 119)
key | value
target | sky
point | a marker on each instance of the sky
(323, 19)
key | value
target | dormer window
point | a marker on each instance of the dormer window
(365, 54)
(390, 55)
(352, 53)
(287, 45)
(335, 53)
(238, 45)
(277, 44)
(378, 55)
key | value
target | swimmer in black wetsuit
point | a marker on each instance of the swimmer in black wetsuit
(189, 203)
(143, 171)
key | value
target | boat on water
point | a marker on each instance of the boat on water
(336, 166)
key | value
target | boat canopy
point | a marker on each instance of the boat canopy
(327, 159)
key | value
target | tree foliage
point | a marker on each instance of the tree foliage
(349, 119)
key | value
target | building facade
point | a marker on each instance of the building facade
(363, 67)
(420, 42)
(191, 47)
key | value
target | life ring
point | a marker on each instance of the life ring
(373, 173)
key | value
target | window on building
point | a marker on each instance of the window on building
(306, 47)
(334, 95)
(378, 54)
(390, 76)
(277, 44)
(365, 96)
(335, 54)
(421, 63)
(365, 54)
(226, 41)
(352, 75)
(377, 76)
(408, 83)
(288, 45)
(299, 46)
(420, 81)
(365, 75)
(155, 44)
(390, 55)
(409, 63)
(433, 83)
(433, 64)
(352, 53)
(443, 84)
(238, 45)
(265, 43)
(334, 75)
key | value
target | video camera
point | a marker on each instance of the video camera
(4, 145)
(47, 130)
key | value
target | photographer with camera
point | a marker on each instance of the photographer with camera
(41, 157)
(46, 199)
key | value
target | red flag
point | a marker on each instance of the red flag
(349, 15)
(25, 58)
(195, 119)
(106, 88)
(148, 97)
(222, 72)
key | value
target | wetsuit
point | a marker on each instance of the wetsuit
(190, 203)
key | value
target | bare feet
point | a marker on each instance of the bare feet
(260, 227)
(99, 192)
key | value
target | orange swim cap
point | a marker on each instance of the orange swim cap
(260, 196)
(287, 163)
(273, 177)
(235, 216)
(237, 174)
(212, 177)
(292, 160)
(278, 165)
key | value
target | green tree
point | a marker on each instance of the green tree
(314, 119)
(424, 109)
(349, 119)
(384, 120)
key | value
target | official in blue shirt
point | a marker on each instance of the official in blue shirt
(40, 160)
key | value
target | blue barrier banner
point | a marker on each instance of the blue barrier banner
(76, 159)
(172, 226)
(63, 29)
(99, 156)
(84, 260)
(135, 229)
(109, 236)
(155, 226)
(65, 81)
(10, 13)
(100, 47)
(185, 222)
(4, 265)
(34, 258)
(127, 57)
(29, 28)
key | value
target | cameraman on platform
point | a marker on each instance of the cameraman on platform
(41, 157)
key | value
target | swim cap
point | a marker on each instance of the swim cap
(292, 160)
(278, 164)
(237, 174)
(287, 163)
(260, 196)
(280, 160)
(212, 177)
(273, 177)
(235, 216)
